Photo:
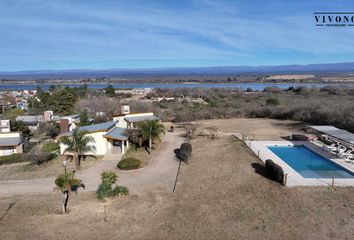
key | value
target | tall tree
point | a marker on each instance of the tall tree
(20, 127)
(82, 91)
(84, 118)
(11, 114)
(52, 88)
(151, 130)
(110, 91)
(67, 183)
(78, 144)
(62, 100)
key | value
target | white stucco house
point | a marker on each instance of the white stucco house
(111, 137)
(10, 143)
(128, 121)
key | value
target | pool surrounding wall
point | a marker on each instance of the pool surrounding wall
(293, 178)
(308, 163)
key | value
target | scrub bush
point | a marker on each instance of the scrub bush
(272, 101)
(109, 178)
(38, 158)
(104, 191)
(50, 147)
(274, 170)
(119, 191)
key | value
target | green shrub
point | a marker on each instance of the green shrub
(119, 191)
(272, 101)
(50, 147)
(104, 190)
(129, 163)
(13, 158)
(109, 178)
(67, 180)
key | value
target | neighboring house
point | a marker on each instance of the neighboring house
(31, 121)
(134, 91)
(48, 116)
(130, 120)
(69, 123)
(141, 91)
(22, 104)
(10, 143)
(5, 126)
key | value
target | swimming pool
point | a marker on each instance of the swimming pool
(308, 163)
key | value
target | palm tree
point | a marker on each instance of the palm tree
(67, 183)
(77, 145)
(151, 130)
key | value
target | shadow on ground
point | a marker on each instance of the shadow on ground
(261, 170)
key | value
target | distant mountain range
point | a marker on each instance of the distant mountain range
(347, 67)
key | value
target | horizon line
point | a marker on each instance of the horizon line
(166, 68)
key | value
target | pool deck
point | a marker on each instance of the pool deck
(293, 177)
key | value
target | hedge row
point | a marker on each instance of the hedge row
(184, 152)
(129, 163)
(13, 158)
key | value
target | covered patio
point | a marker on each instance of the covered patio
(133, 120)
(117, 139)
(334, 134)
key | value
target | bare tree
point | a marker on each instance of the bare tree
(213, 131)
(111, 106)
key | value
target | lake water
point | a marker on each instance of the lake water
(254, 86)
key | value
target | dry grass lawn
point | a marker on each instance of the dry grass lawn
(144, 155)
(257, 128)
(50, 169)
(218, 196)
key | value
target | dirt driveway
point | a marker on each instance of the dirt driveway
(160, 174)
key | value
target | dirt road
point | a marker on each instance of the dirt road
(159, 174)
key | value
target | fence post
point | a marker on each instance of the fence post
(332, 181)
(258, 153)
(285, 179)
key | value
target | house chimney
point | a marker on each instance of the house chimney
(125, 109)
(64, 125)
(48, 116)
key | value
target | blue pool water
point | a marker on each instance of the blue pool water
(308, 163)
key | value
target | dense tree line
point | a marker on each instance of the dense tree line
(61, 100)
(329, 105)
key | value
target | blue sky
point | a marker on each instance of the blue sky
(88, 34)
